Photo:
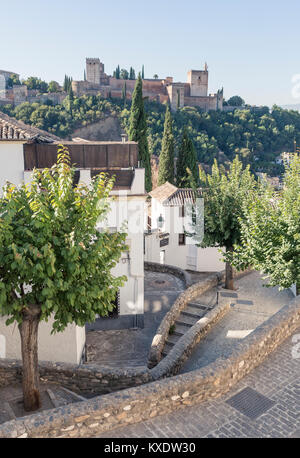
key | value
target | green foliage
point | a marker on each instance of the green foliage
(67, 83)
(58, 119)
(13, 80)
(137, 130)
(225, 194)
(116, 73)
(132, 74)
(187, 168)
(143, 72)
(36, 83)
(51, 253)
(172, 329)
(236, 101)
(257, 136)
(166, 158)
(124, 74)
(53, 86)
(270, 232)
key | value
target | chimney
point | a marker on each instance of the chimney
(124, 138)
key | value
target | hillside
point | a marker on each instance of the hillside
(257, 135)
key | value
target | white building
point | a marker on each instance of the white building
(166, 242)
(23, 148)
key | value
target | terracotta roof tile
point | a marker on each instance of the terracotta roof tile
(170, 195)
(12, 129)
(163, 192)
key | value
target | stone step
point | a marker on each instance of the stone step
(180, 329)
(198, 305)
(168, 347)
(186, 320)
(173, 339)
(193, 312)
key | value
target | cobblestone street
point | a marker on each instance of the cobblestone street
(130, 347)
(278, 378)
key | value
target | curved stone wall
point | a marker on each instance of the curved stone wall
(90, 418)
(169, 319)
(166, 269)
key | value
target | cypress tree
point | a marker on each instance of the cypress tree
(84, 76)
(187, 173)
(138, 130)
(118, 72)
(143, 72)
(166, 158)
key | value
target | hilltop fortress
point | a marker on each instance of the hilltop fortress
(192, 93)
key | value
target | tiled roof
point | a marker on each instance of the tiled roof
(163, 192)
(170, 195)
(181, 197)
(12, 129)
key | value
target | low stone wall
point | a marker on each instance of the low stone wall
(93, 417)
(166, 269)
(179, 305)
(172, 363)
(89, 379)
(169, 319)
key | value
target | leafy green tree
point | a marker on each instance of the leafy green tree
(236, 101)
(53, 260)
(166, 158)
(187, 173)
(137, 130)
(225, 195)
(36, 83)
(13, 80)
(270, 232)
(155, 76)
(53, 86)
(124, 75)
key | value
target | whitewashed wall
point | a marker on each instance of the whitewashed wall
(11, 162)
(64, 346)
(187, 256)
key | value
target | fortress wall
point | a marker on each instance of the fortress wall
(206, 103)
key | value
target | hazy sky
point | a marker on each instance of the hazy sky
(251, 47)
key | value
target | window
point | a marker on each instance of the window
(181, 212)
(181, 239)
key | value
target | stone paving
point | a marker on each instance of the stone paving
(52, 395)
(254, 305)
(278, 378)
(130, 347)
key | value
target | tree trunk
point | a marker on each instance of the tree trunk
(229, 284)
(29, 345)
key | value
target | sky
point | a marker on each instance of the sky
(251, 47)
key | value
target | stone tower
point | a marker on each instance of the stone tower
(198, 81)
(94, 70)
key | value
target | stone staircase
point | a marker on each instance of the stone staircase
(187, 318)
